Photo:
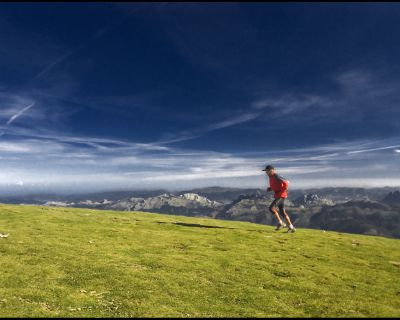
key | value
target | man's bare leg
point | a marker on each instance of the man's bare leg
(278, 217)
(287, 217)
(291, 227)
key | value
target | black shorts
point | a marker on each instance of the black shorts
(278, 202)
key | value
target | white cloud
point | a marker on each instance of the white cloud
(355, 81)
(31, 147)
(52, 159)
(19, 113)
(233, 121)
(290, 103)
(15, 147)
(373, 149)
(203, 175)
(198, 132)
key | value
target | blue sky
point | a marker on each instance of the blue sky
(103, 96)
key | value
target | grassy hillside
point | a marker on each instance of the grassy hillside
(65, 262)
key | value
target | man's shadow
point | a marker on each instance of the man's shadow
(196, 225)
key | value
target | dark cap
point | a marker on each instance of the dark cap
(268, 167)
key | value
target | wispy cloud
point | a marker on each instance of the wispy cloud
(134, 165)
(356, 81)
(374, 149)
(305, 106)
(245, 117)
(100, 32)
(354, 96)
(201, 131)
(19, 113)
(291, 103)
(99, 144)
(364, 83)
(15, 117)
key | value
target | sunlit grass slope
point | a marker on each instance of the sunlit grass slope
(65, 262)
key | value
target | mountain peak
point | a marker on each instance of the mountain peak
(312, 199)
(392, 197)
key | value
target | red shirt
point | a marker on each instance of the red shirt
(279, 185)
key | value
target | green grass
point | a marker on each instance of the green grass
(66, 262)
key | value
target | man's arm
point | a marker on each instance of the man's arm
(284, 183)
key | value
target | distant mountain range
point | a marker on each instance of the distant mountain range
(374, 211)
(392, 198)
(190, 204)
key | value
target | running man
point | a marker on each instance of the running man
(279, 185)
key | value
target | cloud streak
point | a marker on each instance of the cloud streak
(374, 149)
(196, 133)
(99, 33)
(303, 105)
(121, 164)
(19, 113)
(15, 117)
(290, 103)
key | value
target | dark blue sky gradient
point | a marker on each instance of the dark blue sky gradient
(226, 78)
